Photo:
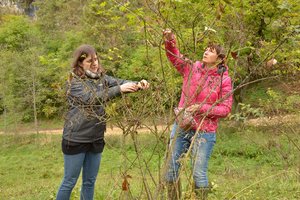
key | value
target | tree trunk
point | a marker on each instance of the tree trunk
(34, 104)
(5, 122)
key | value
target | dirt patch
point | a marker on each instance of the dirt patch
(263, 121)
(276, 120)
(109, 130)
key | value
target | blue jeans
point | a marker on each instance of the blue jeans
(200, 154)
(90, 163)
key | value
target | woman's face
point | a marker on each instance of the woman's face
(210, 56)
(90, 63)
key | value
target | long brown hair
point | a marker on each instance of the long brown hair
(81, 53)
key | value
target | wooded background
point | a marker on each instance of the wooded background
(37, 39)
(257, 151)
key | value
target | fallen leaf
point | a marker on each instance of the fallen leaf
(125, 184)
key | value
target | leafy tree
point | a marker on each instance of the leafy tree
(20, 43)
(127, 35)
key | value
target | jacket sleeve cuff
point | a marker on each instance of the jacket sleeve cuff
(114, 91)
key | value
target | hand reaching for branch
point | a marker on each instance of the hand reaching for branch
(129, 87)
(143, 84)
(193, 108)
(168, 34)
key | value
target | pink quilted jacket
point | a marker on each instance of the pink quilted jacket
(202, 86)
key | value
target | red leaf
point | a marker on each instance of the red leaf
(234, 55)
(125, 184)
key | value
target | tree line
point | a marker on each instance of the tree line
(261, 36)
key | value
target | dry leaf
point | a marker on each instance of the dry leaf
(234, 54)
(221, 7)
(271, 62)
(125, 184)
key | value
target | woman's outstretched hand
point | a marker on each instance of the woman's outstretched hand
(133, 87)
(129, 87)
(193, 108)
(143, 84)
(168, 34)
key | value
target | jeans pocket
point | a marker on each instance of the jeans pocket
(174, 130)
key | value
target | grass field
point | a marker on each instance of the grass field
(247, 163)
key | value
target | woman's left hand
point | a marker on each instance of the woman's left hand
(193, 108)
(143, 84)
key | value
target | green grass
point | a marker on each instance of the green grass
(12, 124)
(247, 163)
(255, 92)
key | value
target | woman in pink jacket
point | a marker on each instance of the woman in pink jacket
(206, 96)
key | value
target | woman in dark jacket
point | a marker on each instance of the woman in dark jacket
(83, 135)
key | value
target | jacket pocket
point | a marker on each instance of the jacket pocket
(76, 124)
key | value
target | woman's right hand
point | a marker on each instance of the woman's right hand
(129, 87)
(168, 35)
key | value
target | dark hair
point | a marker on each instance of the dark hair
(219, 50)
(79, 55)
